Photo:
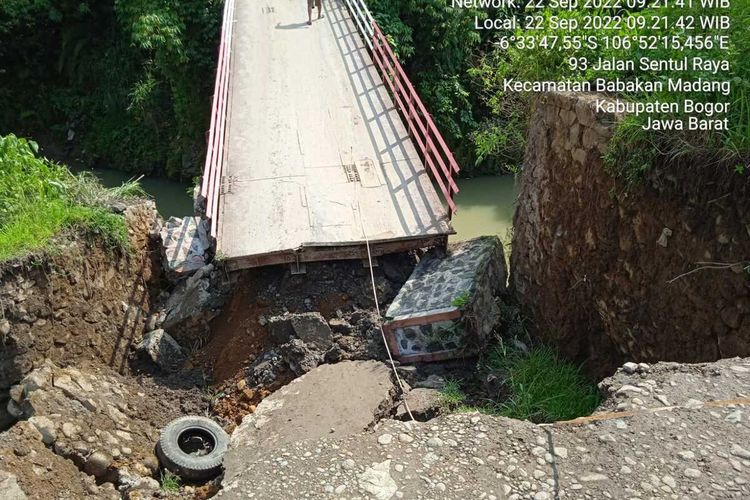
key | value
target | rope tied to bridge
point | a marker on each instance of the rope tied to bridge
(377, 304)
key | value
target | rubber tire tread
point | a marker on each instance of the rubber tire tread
(188, 466)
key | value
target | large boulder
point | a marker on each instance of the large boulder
(299, 357)
(311, 328)
(423, 403)
(163, 350)
(190, 299)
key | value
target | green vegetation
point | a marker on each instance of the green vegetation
(170, 483)
(533, 384)
(541, 386)
(461, 299)
(452, 395)
(460, 74)
(131, 78)
(538, 386)
(39, 198)
(438, 46)
(636, 150)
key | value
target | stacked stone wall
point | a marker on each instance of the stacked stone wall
(612, 273)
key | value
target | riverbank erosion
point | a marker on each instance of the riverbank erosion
(610, 272)
(79, 416)
(80, 301)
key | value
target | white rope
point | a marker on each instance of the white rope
(377, 305)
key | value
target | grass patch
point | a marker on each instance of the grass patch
(451, 394)
(39, 198)
(170, 483)
(541, 386)
(461, 300)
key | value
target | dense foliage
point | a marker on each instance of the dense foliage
(114, 83)
(439, 46)
(127, 83)
(38, 198)
(636, 150)
(461, 74)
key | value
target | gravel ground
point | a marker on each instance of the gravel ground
(683, 434)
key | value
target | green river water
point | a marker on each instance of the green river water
(485, 204)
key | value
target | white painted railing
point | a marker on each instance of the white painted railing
(362, 16)
(215, 157)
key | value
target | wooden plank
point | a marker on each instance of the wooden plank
(423, 320)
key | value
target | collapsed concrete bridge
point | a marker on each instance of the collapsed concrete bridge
(319, 145)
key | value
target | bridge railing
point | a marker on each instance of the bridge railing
(436, 155)
(212, 171)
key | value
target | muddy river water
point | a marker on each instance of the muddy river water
(485, 204)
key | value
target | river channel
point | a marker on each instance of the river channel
(485, 204)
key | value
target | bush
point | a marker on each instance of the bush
(451, 395)
(541, 386)
(437, 45)
(132, 78)
(39, 198)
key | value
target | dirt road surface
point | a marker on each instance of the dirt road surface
(678, 431)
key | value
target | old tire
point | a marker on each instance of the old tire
(192, 447)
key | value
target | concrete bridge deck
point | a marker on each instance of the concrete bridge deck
(317, 158)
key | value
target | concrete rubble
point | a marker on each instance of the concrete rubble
(424, 404)
(163, 350)
(193, 303)
(186, 243)
(190, 298)
(447, 307)
(300, 342)
(311, 328)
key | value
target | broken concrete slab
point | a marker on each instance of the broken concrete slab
(331, 400)
(686, 451)
(447, 307)
(185, 244)
(191, 298)
(424, 404)
(311, 328)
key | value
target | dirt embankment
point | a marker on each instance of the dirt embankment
(610, 274)
(81, 420)
(80, 303)
(277, 326)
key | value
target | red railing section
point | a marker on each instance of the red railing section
(212, 172)
(429, 141)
